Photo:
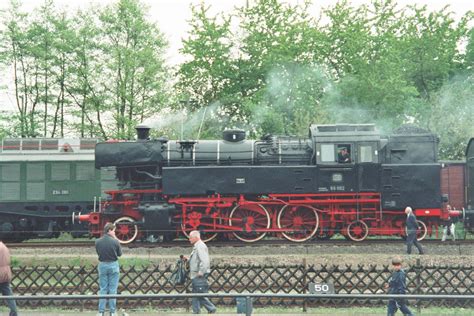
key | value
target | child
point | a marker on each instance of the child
(397, 285)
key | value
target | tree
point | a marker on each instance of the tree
(95, 67)
(205, 78)
(208, 70)
(451, 116)
(15, 55)
(134, 73)
(363, 50)
(469, 61)
(239, 71)
(86, 66)
(278, 64)
(432, 43)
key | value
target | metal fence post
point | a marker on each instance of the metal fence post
(81, 274)
(186, 290)
(305, 272)
(418, 283)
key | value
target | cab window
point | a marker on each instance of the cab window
(366, 154)
(327, 153)
(344, 153)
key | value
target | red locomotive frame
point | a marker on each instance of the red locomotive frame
(296, 217)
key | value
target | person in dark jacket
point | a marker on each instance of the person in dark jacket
(108, 248)
(397, 285)
(412, 227)
(6, 277)
(343, 156)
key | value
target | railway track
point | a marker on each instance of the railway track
(262, 243)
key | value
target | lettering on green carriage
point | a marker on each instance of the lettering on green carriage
(60, 192)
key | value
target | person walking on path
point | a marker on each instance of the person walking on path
(108, 248)
(6, 277)
(412, 227)
(397, 285)
(199, 269)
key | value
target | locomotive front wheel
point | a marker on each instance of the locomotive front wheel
(301, 222)
(420, 233)
(357, 230)
(202, 219)
(249, 218)
(125, 231)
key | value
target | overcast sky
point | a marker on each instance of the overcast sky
(172, 16)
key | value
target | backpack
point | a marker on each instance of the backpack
(179, 275)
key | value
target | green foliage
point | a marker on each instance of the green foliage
(451, 116)
(74, 74)
(132, 49)
(281, 70)
(291, 100)
(257, 75)
(268, 67)
(469, 61)
(14, 262)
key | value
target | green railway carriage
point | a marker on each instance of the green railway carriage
(43, 181)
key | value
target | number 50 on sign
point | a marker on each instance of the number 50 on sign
(321, 288)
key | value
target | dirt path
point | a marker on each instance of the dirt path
(380, 254)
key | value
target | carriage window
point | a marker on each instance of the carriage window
(327, 153)
(35, 172)
(10, 172)
(35, 191)
(85, 171)
(366, 154)
(60, 171)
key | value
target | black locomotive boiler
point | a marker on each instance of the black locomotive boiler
(343, 178)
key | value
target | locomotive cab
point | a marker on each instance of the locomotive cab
(347, 157)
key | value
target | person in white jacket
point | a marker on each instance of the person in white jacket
(199, 269)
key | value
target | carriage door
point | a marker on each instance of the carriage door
(368, 167)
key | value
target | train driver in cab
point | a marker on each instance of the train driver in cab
(343, 156)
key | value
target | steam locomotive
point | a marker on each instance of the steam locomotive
(344, 178)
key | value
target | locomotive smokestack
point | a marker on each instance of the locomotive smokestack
(143, 132)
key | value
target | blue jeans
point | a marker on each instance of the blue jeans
(6, 290)
(108, 282)
(394, 305)
(200, 285)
